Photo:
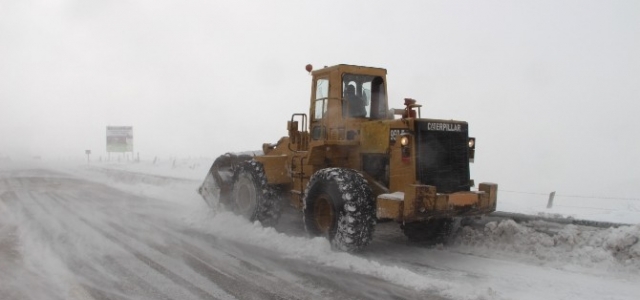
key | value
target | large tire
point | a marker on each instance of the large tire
(339, 205)
(431, 232)
(252, 197)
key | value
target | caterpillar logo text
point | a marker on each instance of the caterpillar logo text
(444, 127)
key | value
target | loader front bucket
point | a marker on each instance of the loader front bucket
(218, 184)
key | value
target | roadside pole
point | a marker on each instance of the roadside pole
(551, 196)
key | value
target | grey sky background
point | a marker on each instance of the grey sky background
(550, 88)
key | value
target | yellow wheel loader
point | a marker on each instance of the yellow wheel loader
(353, 161)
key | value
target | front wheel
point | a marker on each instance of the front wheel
(339, 205)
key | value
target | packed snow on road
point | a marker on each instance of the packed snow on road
(110, 230)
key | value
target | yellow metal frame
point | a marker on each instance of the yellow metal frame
(422, 202)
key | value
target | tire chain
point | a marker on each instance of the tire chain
(357, 217)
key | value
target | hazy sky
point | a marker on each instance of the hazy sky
(550, 88)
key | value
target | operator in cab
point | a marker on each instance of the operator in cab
(354, 102)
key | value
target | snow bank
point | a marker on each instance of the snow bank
(582, 245)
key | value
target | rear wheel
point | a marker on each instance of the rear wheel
(240, 185)
(339, 205)
(430, 232)
(252, 197)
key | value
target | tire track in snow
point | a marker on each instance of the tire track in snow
(109, 289)
(100, 294)
(196, 262)
(89, 271)
(169, 252)
(205, 265)
(135, 285)
(172, 276)
(67, 242)
(12, 258)
(40, 240)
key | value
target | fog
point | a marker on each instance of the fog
(550, 88)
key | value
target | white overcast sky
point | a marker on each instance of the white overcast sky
(550, 88)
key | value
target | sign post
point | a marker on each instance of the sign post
(87, 152)
(550, 202)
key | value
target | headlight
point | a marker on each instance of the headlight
(404, 140)
(472, 143)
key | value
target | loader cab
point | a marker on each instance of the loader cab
(342, 97)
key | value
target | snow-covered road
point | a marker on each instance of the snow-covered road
(142, 232)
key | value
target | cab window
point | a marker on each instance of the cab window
(322, 98)
(363, 96)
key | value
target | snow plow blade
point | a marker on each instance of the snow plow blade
(218, 184)
(423, 202)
